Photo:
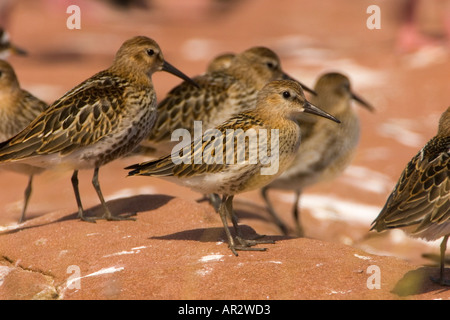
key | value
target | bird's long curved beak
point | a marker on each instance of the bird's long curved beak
(171, 69)
(304, 87)
(310, 108)
(363, 102)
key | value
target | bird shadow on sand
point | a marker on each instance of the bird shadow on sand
(119, 207)
(419, 281)
(125, 206)
(216, 234)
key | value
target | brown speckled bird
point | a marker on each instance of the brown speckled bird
(98, 121)
(420, 201)
(274, 116)
(18, 108)
(220, 62)
(231, 87)
(7, 48)
(326, 148)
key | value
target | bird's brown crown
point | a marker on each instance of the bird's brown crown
(444, 124)
(259, 64)
(138, 55)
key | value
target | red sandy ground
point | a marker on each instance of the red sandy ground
(176, 249)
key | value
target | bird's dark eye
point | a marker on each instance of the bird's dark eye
(150, 52)
(270, 65)
(286, 94)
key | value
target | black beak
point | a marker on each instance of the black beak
(362, 102)
(310, 108)
(305, 88)
(171, 69)
(17, 50)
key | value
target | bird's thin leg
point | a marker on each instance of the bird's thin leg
(443, 249)
(244, 243)
(441, 280)
(296, 214)
(28, 191)
(77, 197)
(224, 208)
(272, 212)
(223, 216)
(106, 213)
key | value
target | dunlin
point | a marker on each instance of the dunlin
(230, 88)
(326, 148)
(220, 62)
(420, 202)
(274, 116)
(18, 108)
(7, 48)
(100, 120)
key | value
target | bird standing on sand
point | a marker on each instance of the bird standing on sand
(98, 121)
(17, 109)
(274, 117)
(326, 148)
(229, 87)
(420, 201)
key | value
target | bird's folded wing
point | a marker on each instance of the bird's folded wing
(81, 117)
(421, 195)
(186, 103)
(208, 155)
